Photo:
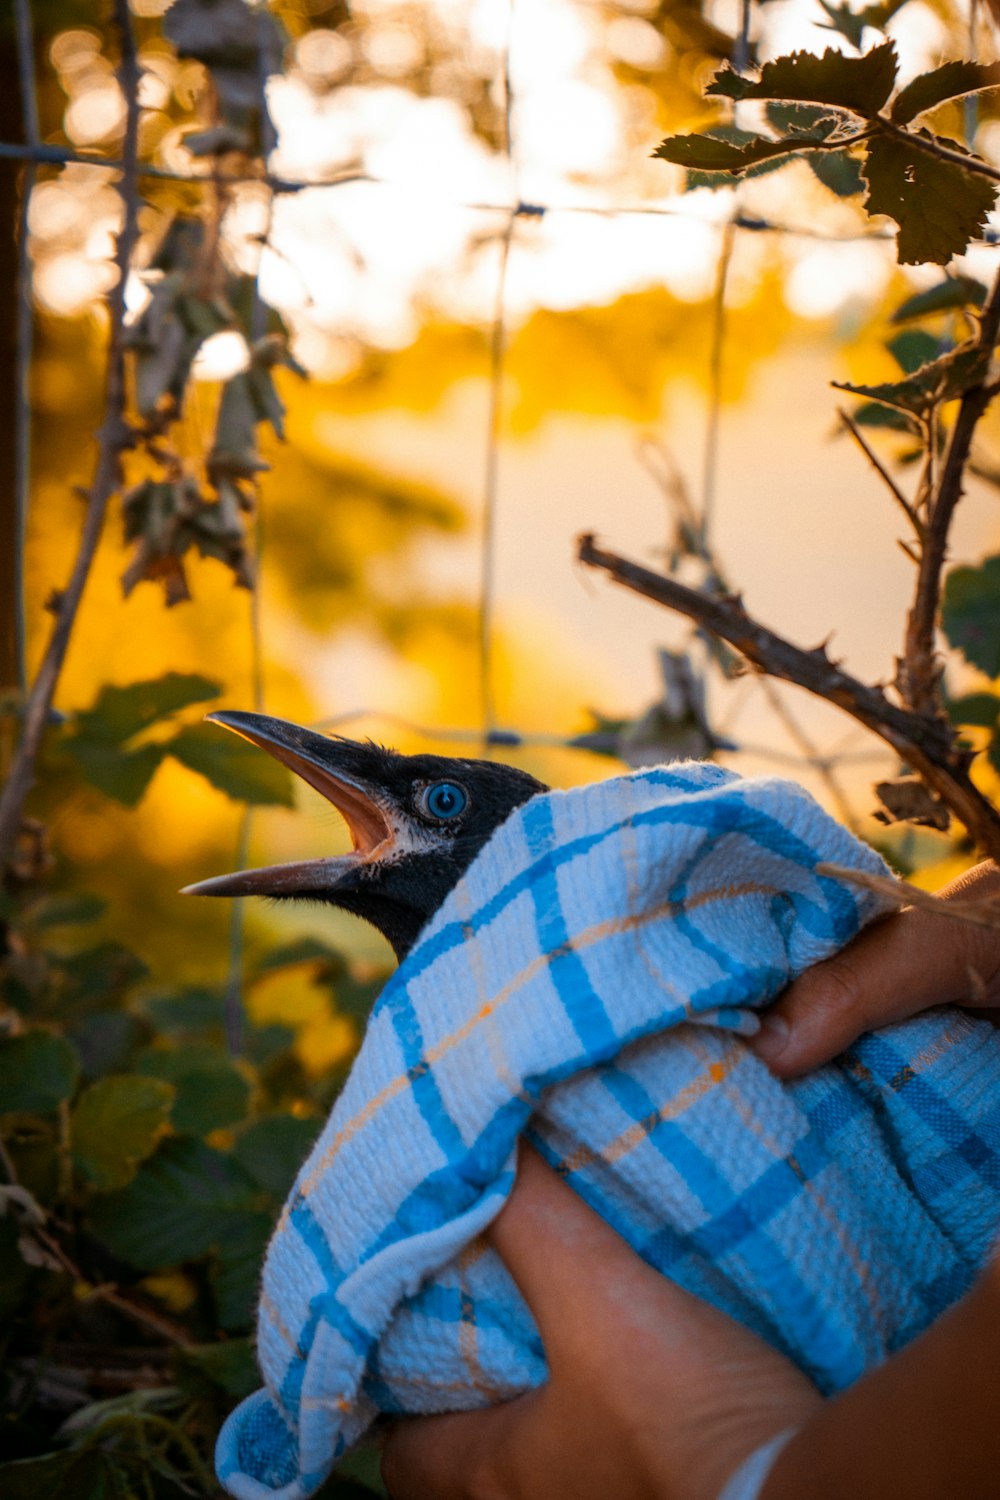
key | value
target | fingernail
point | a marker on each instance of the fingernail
(772, 1037)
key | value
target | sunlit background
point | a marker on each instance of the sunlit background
(501, 304)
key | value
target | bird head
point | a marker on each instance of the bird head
(416, 823)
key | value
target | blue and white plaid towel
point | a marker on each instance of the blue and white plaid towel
(837, 1216)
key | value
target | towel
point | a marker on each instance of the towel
(589, 982)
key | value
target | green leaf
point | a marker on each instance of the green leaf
(120, 774)
(938, 206)
(979, 709)
(179, 1205)
(951, 81)
(105, 1041)
(941, 380)
(273, 1149)
(208, 1091)
(874, 414)
(970, 614)
(859, 84)
(84, 1474)
(838, 171)
(914, 348)
(303, 950)
(100, 735)
(708, 153)
(230, 1366)
(236, 1281)
(119, 713)
(233, 766)
(115, 1125)
(38, 1070)
(68, 911)
(187, 1010)
(954, 291)
(102, 973)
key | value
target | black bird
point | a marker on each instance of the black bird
(416, 822)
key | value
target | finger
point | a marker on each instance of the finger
(896, 968)
(447, 1457)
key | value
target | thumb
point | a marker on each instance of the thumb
(895, 968)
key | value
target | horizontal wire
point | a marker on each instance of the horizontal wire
(65, 156)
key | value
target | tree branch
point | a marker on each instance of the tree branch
(113, 438)
(924, 741)
(918, 676)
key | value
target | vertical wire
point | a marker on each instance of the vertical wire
(234, 1008)
(24, 333)
(491, 476)
(710, 460)
(971, 109)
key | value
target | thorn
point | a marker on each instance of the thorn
(908, 549)
(54, 602)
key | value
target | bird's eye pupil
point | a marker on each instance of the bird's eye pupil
(445, 800)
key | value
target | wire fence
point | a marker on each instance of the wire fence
(36, 155)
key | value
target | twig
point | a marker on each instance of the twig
(919, 674)
(113, 438)
(883, 473)
(25, 331)
(924, 742)
(813, 757)
(972, 913)
(930, 146)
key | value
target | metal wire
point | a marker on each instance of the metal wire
(24, 333)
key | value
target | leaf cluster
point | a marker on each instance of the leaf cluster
(144, 1168)
(840, 110)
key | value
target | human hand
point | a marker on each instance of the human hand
(899, 966)
(652, 1393)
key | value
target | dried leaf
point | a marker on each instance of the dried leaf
(905, 799)
(941, 380)
(859, 84)
(938, 206)
(951, 81)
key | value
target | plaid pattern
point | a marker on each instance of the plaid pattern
(551, 994)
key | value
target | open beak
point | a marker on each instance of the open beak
(335, 768)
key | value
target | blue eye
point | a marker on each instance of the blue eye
(444, 800)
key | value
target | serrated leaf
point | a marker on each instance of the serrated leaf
(954, 291)
(970, 614)
(914, 348)
(38, 1070)
(188, 1010)
(734, 136)
(838, 171)
(859, 84)
(979, 709)
(938, 206)
(801, 119)
(941, 380)
(951, 81)
(851, 23)
(273, 1149)
(115, 1125)
(179, 1205)
(208, 1092)
(708, 153)
(233, 766)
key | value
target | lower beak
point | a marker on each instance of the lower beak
(320, 762)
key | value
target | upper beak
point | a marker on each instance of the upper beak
(330, 766)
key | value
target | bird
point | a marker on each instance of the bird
(416, 824)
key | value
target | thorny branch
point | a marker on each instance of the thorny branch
(924, 741)
(113, 438)
(919, 673)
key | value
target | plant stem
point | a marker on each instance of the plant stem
(925, 742)
(113, 437)
(918, 677)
